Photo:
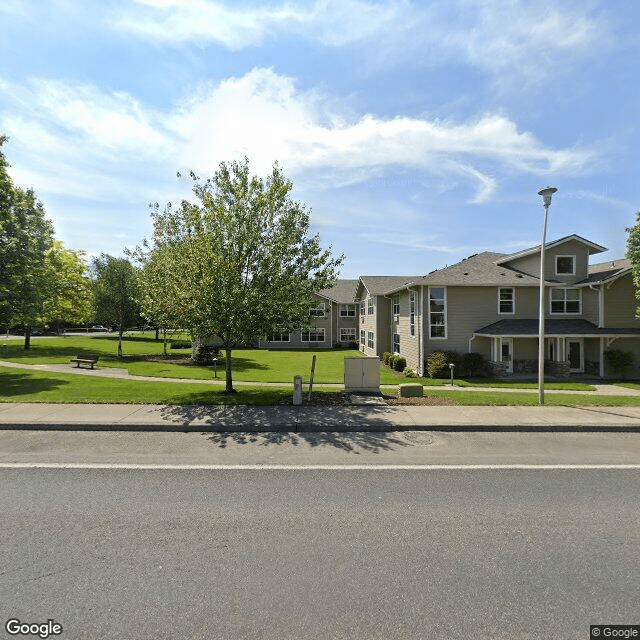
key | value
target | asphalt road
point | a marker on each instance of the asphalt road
(277, 554)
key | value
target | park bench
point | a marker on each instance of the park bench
(85, 358)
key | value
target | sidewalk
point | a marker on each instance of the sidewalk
(121, 417)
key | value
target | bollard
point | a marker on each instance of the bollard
(297, 390)
(452, 367)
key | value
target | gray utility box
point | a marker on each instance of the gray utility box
(362, 374)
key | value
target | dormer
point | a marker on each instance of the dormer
(566, 260)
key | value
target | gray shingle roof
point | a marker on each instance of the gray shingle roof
(479, 270)
(593, 247)
(606, 271)
(573, 327)
(342, 292)
(381, 285)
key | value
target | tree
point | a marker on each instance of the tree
(70, 293)
(116, 293)
(242, 261)
(26, 237)
(633, 255)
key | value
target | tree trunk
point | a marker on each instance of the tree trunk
(157, 332)
(164, 337)
(120, 331)
(227, 366)
(27, 337)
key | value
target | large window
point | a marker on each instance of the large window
(370, 340)
(312, 335)
(396, 305)
(437, 312)
(363, 337)
(318, 312)
(565, 300)
(347, 334)
(565, 265)
(506, 300)
(412, 313)
(396, 343)
(278, 336)
(347, 310)
(370, 306)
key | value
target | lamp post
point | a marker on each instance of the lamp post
(546, 199)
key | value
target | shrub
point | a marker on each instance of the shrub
(410, 373)
(391, 360)
(473, 365)
(337, 345)
(180, 344)
(618, 361)
(437, 365)
(354, 344)
(400, 363)
(385, 357)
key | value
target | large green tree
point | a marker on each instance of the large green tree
(26, 237)
(70, 296)
(633, 255)
(241, 262)
(116, 293)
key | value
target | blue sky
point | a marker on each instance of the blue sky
(417, 132)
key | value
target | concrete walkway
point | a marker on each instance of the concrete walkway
(113, 372)
(122, 417)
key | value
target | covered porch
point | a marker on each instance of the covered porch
(572, 347)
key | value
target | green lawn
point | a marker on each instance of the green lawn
(497, 398)
(17, 385)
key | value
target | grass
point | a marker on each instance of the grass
(497, 398)
(39, 386)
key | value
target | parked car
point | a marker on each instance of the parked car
(99, 327)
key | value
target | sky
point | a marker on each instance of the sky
(417, 133)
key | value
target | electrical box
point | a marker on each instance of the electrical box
(362, 374)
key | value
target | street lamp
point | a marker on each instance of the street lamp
(546, 199)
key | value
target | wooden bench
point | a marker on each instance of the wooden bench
(85, 358)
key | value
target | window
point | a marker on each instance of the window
(278, 336)
(363, 337)
(347, 334)
(565, 300)
(370, 306)
(318, 312)
(396, 343)
(347, 310)
(412, 314)
(312, 335)
(506, 300)
(437, 312)
(396, 305)
(565, 265)
(362, 310)
(370, 340)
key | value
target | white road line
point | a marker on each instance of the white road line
(317, 467)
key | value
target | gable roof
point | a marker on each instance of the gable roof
(381, 285)
(592, 246)
(342, 292)
(607, 271)
(481, 269)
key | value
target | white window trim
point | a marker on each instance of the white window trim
(371, 337)
(352, 334)
(573, 273)
(363, 337)
(413, 300)
(371, 306)
(573, 314)
(513, 302)
(446, 324)
(345, 308)
(395, 305)
(313, 312)
(393, 343)
(317, 330)
(279, 341)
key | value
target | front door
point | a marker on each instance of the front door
(575, 356)
(506, 354)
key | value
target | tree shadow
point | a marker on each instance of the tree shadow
(347, 441)
(18, 384)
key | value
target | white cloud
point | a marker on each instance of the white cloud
(263, 116)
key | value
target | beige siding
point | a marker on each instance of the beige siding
(531, 264)
(383, 325)
(401, 326)
(368, 323)
(620, 304)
